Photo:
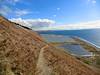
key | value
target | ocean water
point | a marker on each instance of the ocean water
(90, 35)
(75, 49)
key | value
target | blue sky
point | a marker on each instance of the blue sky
(61, 11)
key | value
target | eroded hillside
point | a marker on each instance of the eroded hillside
(24, 52)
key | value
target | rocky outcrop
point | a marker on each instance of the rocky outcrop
(24, 52)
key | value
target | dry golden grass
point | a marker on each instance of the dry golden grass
(26, 53)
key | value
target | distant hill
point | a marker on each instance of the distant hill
(24, 52)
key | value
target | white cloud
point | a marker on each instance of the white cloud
(92, 1)
(4, 10)
(58, 8)
(12, 1)
(4, 6)
(21, 12)
(54, 15)
(33, 23)
(16, 0)
(87, 25)
(46, 24)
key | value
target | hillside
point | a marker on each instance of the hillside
(24, 52)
